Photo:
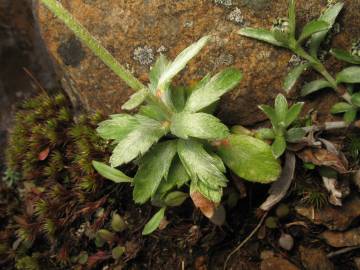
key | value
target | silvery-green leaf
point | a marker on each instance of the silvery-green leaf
(181, 60)
(213, 89)
(328, 16)
(281, 36)
(312, 28)
(314, 86)
(178, 97)
(281, 107)
(345, 56)
(199, 125)
(341, 107)
(250, 158)
(355, 99)
(294, 135)
(279, 146)
(111, 173)
(117, 127)
(293, 113)
(159, 68)
(292, 17)
(135, 100)
(213, 195)
(349, 75)
(293, 76)
(270, 113)
(203, 172)
(265, 134)
(138, 141)
(350, 116)
(153, 168)
(217, 161)
(175, 198)
(152, 111)
(154, 222)
(261, 34)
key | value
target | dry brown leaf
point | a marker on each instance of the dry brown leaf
(206, 206)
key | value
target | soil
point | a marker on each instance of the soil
(190, 241)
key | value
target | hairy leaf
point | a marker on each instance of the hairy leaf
(261, 34)
(249, 158)
(153, 112)
(349, 75)
(293, 113)
(345, 56)
(138, 141)
(154, 222)
(135, 100)
(159, 68)
(279, 146)
(154, 167)
(181, 60)
(213, 89)
(265, 134)
(281, 107)
(314, 86)
(117, 127)
(203, 172)
(199, 125)
(178, 97)
(341, 107)
(270, 113)
(294, 135)
(328, 16)
(111, 173)
(293, 76)
(312, 28)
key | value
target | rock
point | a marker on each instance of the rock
(277, 263)
(286, 241)
(334, 218)
(357, 263)
(342, 239)
(136, 31)
(315, 259)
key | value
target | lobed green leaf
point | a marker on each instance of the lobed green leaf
(117, 127)
(175, 198)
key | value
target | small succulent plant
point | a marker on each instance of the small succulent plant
(281, 118)
(283, 34)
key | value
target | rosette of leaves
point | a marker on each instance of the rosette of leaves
(281, 117)
(173, 138)
(350, 75)
(283, 34)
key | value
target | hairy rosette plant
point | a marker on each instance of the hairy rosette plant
(173, 138)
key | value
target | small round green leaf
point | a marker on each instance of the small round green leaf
(175, 198)
(341, 107)
(154, 222)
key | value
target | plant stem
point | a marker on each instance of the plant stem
(319, 67)
(331, 126)
(95, 46)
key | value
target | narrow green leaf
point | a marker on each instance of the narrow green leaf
(199, 125)
(355, 99)
(181, 60)
(202, 169)
(281, 107)
(159, 68)
(270, 113)
(279, 146)
(293, 113)
(345, 56)
(153, 112)
(138, 141)
(175, 198)
(341, 107)
(294, 135)
(154, 222)
(349, 75)
(281, 36)
(94, 45)
(250, 158)
(154, 167)
(312, 28)
(292, 17)
(293, 76)
(213, 89)
(328, 16)
(261, 34)
(135, 100)
(350, 116)
(111, 173)
(265, 134)
(117, 127)
(314, 86)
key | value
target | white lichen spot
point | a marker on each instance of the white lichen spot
(161, 49)
(144, 55)
(296, 60)
(225, 59)
(355, 48)
(236, 16)
(226, 3)
(188, 24)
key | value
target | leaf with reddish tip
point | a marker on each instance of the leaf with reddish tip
(44, 154)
